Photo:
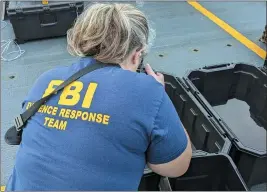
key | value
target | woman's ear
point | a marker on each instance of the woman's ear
(136, 58)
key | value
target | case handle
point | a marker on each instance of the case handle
(217, 66)
(48, 24)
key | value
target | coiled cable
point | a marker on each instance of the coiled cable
(5, 45)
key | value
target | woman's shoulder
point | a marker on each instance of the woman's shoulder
(145, 85)
(140, 79)
(55, 72)
(147, 80)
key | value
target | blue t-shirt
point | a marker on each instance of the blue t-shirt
(96, 134)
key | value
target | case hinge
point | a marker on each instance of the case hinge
(74, 8)
(46, 8)
(72, 5)
(19, 12)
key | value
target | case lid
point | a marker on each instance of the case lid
(33, 4)
(241, 137)
(36, 6)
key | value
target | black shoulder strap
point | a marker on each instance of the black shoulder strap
(23, 118)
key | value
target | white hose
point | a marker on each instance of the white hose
(5, 45)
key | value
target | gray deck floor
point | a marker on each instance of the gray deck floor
(179, 28)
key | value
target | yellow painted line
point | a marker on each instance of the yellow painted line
(3, 188)
(238, 36)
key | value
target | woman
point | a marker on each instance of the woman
(101, 131)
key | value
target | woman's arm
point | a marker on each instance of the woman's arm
(170, 150)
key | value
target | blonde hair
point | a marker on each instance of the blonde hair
(108, 32)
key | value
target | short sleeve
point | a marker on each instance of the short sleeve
(168, 138)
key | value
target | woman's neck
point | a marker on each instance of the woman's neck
(127, 66)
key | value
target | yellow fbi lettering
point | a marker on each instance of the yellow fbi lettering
(50, 110)
(84, 115)
(70, 95)
(55, 123)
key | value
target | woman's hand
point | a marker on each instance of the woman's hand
(158, 76)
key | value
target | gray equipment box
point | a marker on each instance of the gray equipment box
(32, 20)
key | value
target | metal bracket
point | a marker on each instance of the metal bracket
(18, 123)
(18, 10)
(19, 13)
(72, 5)
(74, 8)
(46, 8)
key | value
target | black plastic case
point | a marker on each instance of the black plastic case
(207, 172)
(31, 20)
(215, 85)
(204, 132)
